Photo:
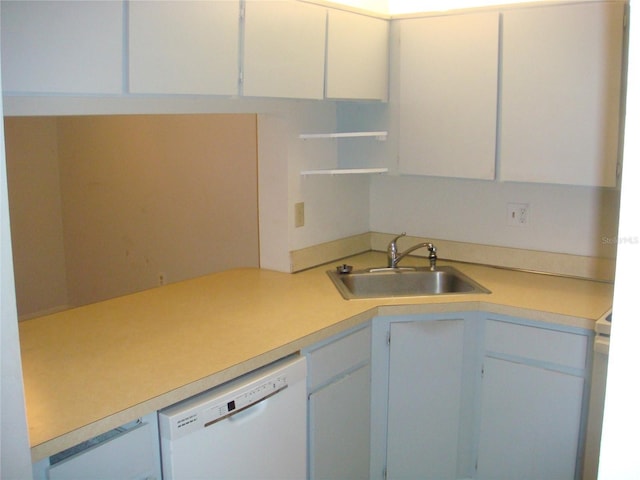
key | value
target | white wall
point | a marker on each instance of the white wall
(335, 206)
(573, 220)
(619, 452)
(15, 458)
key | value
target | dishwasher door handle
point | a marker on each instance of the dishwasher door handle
(245, 408)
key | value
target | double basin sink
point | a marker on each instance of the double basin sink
(402, 282)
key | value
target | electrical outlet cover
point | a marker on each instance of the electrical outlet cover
(517, 214)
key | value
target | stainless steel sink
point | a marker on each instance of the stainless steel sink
(403, 282)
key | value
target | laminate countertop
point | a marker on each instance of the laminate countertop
(93, 368)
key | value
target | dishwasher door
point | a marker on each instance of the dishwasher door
(254, 427)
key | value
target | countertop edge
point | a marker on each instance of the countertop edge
(74, 437)
(68, 440)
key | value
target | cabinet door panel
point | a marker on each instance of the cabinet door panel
(530, 422)
(62, 47)
(537, 344)
(339, 356)
(448, 95)
(561, 86)
(284, 49)
(340, 419)
(357, 56)
(187, 47)
(425, 389)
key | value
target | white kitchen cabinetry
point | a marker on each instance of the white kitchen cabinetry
(561, 88)
(448, 95)
(357, 56)
(284, 49)
(62, 47)
(184, 47)
(431, 374)
(339, 379)
(130, 451)
(533, 389)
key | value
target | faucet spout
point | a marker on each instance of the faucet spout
(394, 256)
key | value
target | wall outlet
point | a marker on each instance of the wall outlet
(298, 214)
(162, 279)
(517, 214)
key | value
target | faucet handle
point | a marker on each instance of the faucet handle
(392, 243)
(433, 258)
(392, 251)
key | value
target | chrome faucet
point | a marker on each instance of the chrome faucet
(393, 256)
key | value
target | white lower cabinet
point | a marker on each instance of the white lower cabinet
(425, 387)
(472, 396)
(432, 379)
(530, 422)
(339, 380)
(532, 402)
(340, 437)
(131, 451)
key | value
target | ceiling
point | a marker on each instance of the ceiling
(397, 7)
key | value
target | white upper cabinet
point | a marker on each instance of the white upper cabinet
(187, 47)
(448, 95)
(357, 56)
(62, 47)
(284, 49)
(561, 87)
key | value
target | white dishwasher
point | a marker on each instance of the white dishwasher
(254, 427)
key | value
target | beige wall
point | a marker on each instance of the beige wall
(143, 197)
(36, 213)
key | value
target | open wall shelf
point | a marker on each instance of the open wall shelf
(344, 171)
(378, 135)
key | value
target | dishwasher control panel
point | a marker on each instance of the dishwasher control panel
(223, 402)
(243, 400)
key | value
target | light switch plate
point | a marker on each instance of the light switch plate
(298, 214)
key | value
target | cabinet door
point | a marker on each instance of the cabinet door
(561, 86)
(448, 95)
(188, 47)
(530, 422)
(340, 417)
(357, 56)
(425, 399)
(62, 47)
(339, 382)
(284, 49)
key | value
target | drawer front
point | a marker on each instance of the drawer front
(548, 346)
(339, 356)
(129, 455)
